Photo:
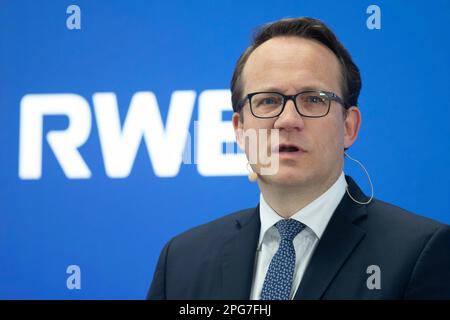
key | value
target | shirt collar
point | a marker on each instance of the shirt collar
(315, 215)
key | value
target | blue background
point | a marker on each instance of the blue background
(114, 229)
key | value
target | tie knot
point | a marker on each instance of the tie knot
(289, 228)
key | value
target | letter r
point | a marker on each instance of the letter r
(64, 144)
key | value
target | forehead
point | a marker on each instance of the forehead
(291, 64)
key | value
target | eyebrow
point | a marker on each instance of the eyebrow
(277, 89)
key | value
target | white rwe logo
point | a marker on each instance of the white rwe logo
(119, 144)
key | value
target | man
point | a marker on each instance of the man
(314, 234)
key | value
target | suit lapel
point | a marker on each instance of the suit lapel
(336, 245)
(238, 257)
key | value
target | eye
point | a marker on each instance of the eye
(269, 100)
(315, 99)
(266, 100)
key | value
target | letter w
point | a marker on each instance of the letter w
(143, 120)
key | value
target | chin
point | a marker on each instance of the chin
(287, 179)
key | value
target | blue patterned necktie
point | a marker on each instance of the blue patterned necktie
(278, 282)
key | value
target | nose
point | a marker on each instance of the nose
(289, 118)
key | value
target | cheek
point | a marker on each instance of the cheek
(257, 135)
(257, 126)
(329, 139)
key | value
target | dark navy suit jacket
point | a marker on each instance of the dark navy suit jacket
(216, 260)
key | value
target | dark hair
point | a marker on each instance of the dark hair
(307, 28)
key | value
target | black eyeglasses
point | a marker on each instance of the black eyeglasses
(311, 103)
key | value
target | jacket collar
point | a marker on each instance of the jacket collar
(340, 238)
(238, 256)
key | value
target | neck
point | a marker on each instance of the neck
(287, 200)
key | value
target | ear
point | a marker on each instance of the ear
(352, 123)
(238, 127)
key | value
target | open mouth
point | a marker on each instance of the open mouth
(286, 148)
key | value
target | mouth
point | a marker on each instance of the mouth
(286, 148)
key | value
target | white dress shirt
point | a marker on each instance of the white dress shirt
(315, 216)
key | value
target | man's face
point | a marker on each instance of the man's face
(290, 65)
